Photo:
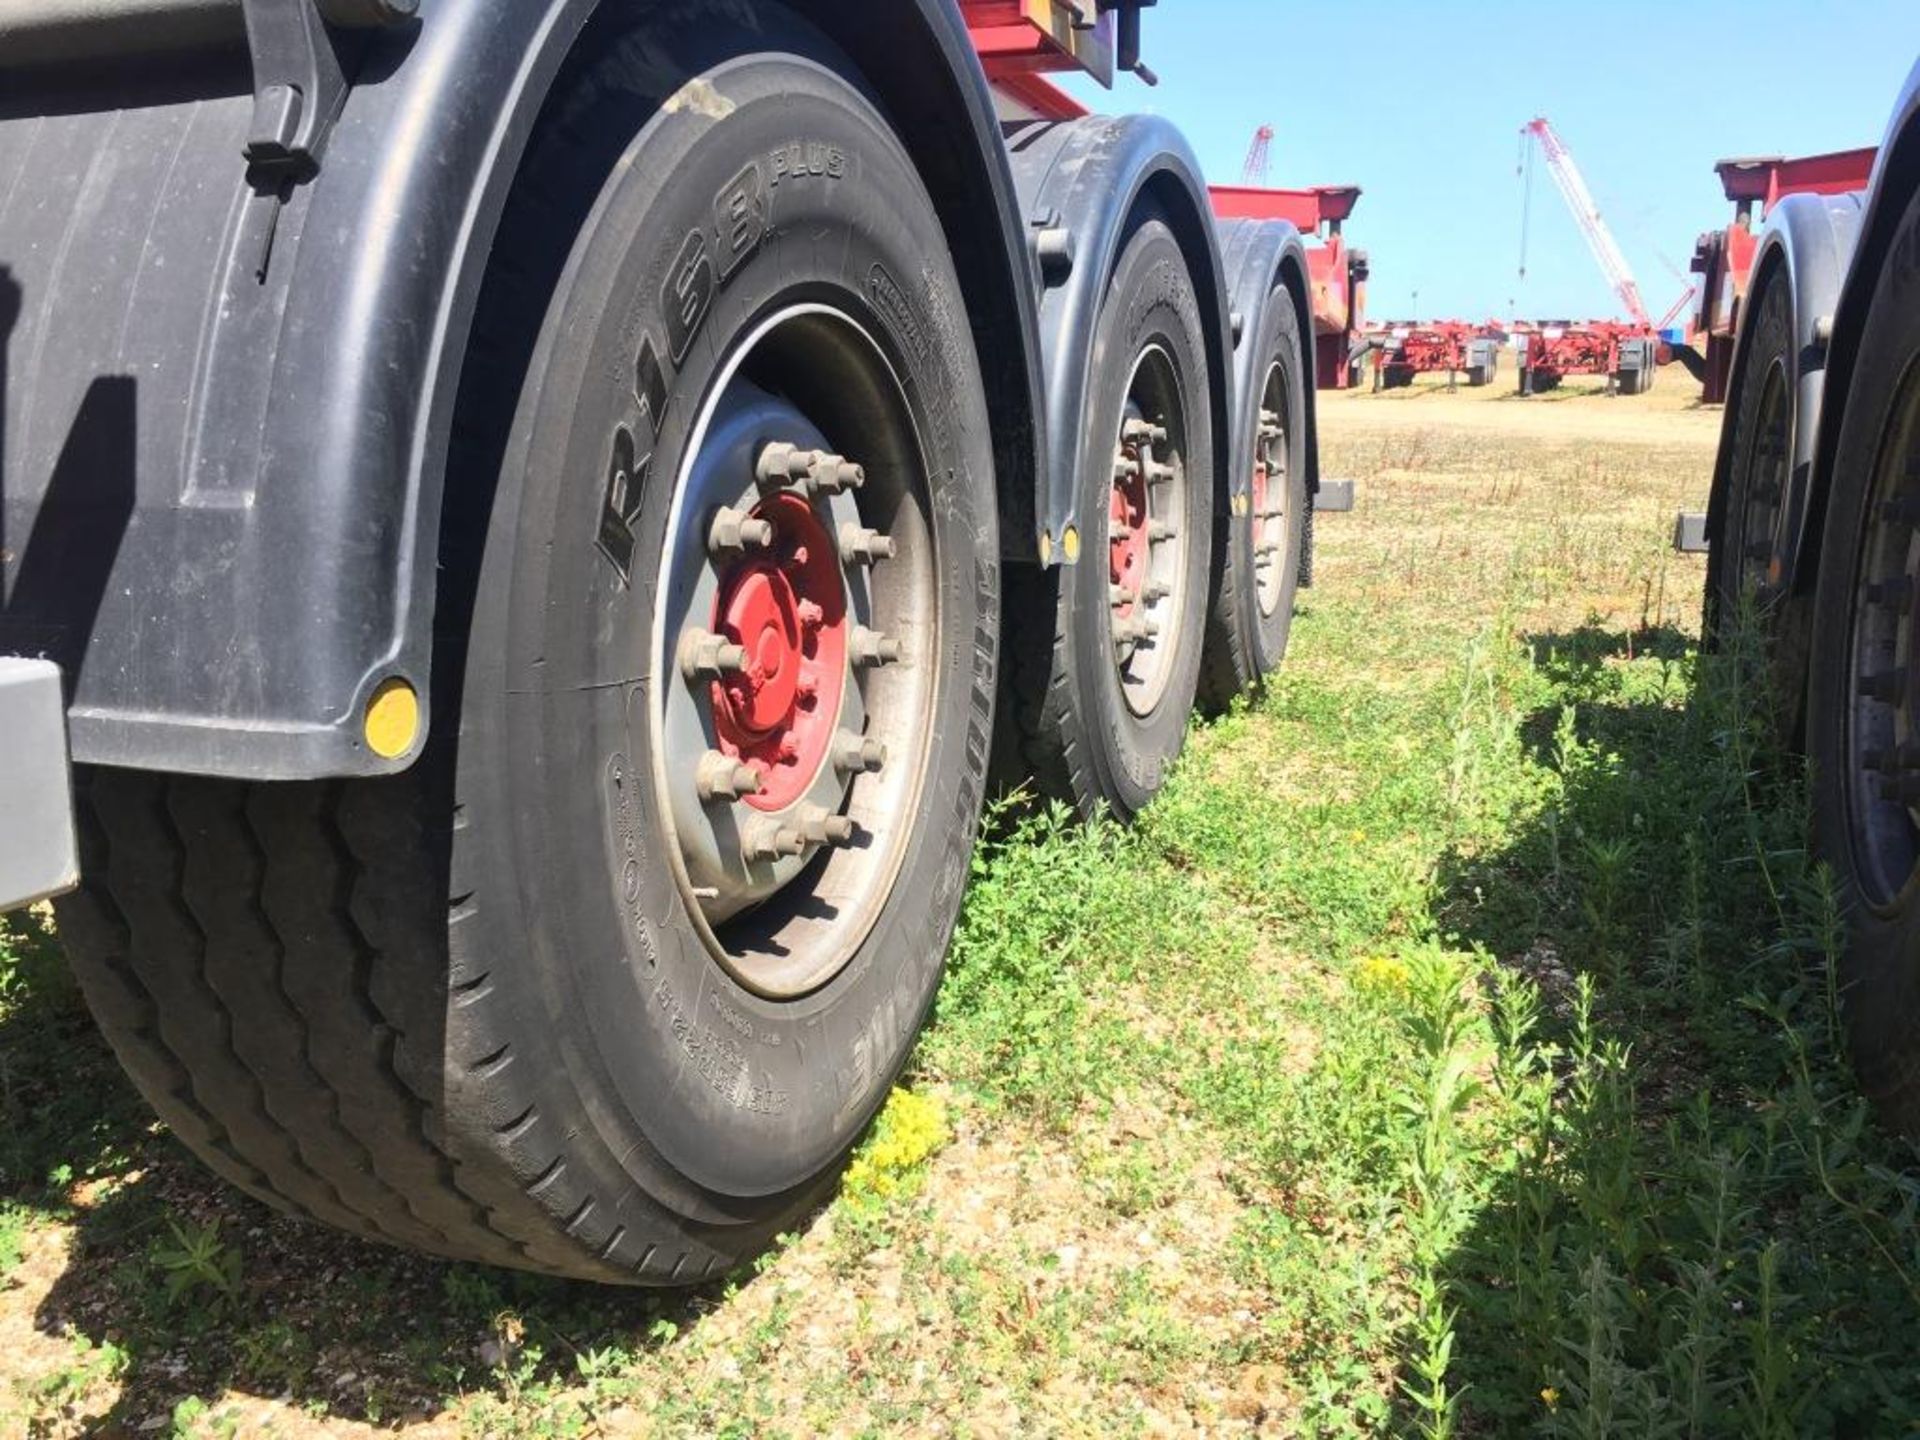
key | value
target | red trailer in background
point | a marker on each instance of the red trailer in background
(1339, 272)
(1626, 353)
(1723, 259)
(1403, 349)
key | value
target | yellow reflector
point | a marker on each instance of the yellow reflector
(393, 719)
(1070, 545)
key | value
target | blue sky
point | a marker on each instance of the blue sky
(1421, 104)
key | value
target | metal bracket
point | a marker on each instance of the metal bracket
(1690, 533)
(298, 88)
(298, 83)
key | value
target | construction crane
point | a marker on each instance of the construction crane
(1586, 213)
(1254, 172)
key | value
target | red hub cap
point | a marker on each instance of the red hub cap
(1130, 552)
(786, 607)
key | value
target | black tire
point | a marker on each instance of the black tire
(1080, 739)
(1478, 375)
(1868, 836)
(1251, 612)
(1748, 547)
(1544, 380)
(470, 1009)
(1396, 377)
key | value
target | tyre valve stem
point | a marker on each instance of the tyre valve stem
(706, 656)
(870, 647)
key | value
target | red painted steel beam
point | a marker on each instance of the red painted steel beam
(1308, 209)
(1767, 178)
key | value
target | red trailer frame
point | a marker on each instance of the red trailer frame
(1553, 349)
(1337, 272)
(1723, 259)
(1401, 349)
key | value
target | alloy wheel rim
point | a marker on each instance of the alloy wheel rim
(794, 640)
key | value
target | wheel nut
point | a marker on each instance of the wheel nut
(857, 754)
(706, 656)
(810, 614)
(733, 531)
(769, 840)
(1161, 530)
(1135, 430)
(1125, 467)
(1158, 474)
(859, 543)
(822, 827)
(1901, 789)
(721, 777)
(870, 647)
(830, 474)
(1895, 593)
(780, 464)
(1886, 686)
(1154, 591)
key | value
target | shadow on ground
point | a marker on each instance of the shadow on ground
(269, 1306)
(1708, 1236)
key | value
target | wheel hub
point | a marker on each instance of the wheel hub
(795, 642)
(786, 608)
(1130, 550)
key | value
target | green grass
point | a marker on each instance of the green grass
(1453, 1049)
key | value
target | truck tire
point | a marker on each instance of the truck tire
(1862, 701)
(597, 988)
(1258, 555)
(1750, 545)
(1104, 692)
(1479, 375)
(1396, 377)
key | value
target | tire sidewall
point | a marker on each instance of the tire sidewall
(614, 992)
(1149, 300)
(1267, 634)
(1880, 993)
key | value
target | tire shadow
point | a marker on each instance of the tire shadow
(1693, 1237)
(210, 1295)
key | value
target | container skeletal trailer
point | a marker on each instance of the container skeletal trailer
(1813, 529)
(534, 521)
(1627, 354)
(1399, 350)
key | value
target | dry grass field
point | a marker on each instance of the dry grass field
(1451, 1050)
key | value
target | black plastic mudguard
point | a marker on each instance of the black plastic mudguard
(1081, 184)
(223, 441)
(1265, 264)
